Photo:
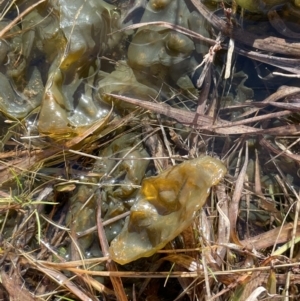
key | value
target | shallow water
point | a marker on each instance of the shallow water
(57, 67)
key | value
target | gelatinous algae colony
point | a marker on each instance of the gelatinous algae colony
(164, 207)
(71, 144)
(262, 5)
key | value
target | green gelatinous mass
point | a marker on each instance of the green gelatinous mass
(164, 207)
(259, 5)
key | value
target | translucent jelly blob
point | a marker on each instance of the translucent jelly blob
(165, 205)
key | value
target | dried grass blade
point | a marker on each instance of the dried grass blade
(19, 154)
(201, 122)
(15, 289)
(286, 91)
(291, 129)
(204, 239)
(205, 85)
(72, 264)
(278, 235)
(229, 59)
(19, 17)
(235, 202)
(61, 279)
(172, 26)
(263, 142)
(58, 277)
(111, 266)
(287, 106)
(224, 222)
(287, 64)
(15, 167)
(155, 145)
(185, 261)
(257, 180)
(293, 241)
(280, 26)
(98, 125)
(182, 116)
(294, 107)
(256, 119)
(175, 274)
(99, 286)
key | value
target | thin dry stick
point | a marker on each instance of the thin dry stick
(19, 17)
(111, 266)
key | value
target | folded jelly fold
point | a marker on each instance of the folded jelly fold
(165, 205)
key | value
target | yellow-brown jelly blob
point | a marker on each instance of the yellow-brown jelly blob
(259, 5)
(124, 82)
(180, 43)
(164, 207)
(159, 4)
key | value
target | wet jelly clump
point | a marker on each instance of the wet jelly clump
(165, 205)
